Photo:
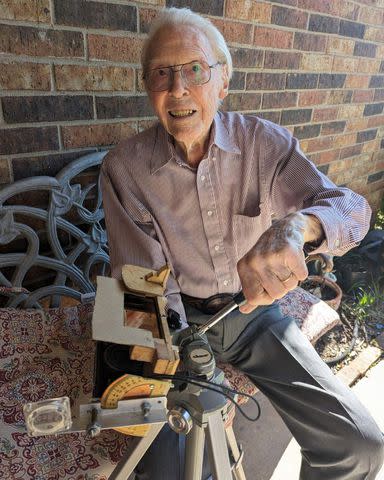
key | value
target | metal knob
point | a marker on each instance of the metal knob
(180, 420)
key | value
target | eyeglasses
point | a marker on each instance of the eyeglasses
(192, 73)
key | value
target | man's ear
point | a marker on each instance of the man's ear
(225, 82)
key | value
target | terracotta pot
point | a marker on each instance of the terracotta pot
(324, 282)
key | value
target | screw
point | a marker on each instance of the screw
(94, 427)
(146, 408)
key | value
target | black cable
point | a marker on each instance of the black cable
(203, 383)
(351, 346)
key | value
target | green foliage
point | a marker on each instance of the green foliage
(379, 223)
(367, 305)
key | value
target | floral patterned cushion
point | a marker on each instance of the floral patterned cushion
(50, 353)
(45, 354)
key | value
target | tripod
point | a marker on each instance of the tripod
(198, 413)
(196, 407)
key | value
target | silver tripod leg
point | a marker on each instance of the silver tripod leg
(237, 453)
(217, 449)
(128, 463)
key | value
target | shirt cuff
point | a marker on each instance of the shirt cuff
(334, 241)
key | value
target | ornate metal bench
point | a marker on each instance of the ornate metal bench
(50, 252)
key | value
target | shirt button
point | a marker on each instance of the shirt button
(226, 282)
(202, 178)
(209, 213)
(217, 247)
(213, 158)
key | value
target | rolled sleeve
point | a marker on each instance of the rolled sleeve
(297, 185)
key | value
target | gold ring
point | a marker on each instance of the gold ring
(288, 278)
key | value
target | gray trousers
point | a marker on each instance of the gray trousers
(339, 439)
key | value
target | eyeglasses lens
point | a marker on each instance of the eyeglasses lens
(194, 73)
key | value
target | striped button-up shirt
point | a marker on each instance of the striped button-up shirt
(202, 220)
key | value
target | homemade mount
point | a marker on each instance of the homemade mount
(135, 364)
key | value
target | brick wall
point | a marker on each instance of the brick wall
(70, 78)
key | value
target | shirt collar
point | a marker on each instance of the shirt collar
(163, 150)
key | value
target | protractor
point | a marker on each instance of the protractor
(133, 386)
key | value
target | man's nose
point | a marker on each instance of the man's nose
(177, 87)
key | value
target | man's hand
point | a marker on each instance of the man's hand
(276, 263)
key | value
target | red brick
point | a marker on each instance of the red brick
(322, 114)
(289, 17)
(234, 31)
(344, 140)
(47, 108)
(25, 76)
(316, 62)
(324, 6)
(96, 135)
(371, 16)
(362, 96)
(333, 127)
(270, 37)
(357, 81)
(368, 65)
(51, 164)
(345, 64)
(323, 158)
(246, 10)
(279, 100)
(244, 57)
(310, 42)
(117, 49)
(339, 96)
(146, 17)
(282, 60)
(94, 78)
(266, 81)
(346, 9)
(23, 140)
(317, 144)
(340, 45)
(34, 11)
(376, 121)
(351, 151)
(243, 101)
(315, 97)
(374, 33)
(5, 171)
(379, 95)
(92, 14)
(40, 42)
(356, 124)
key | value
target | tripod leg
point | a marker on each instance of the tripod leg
(194, 453)
(237, 454)
(218, 449)
(128, 463)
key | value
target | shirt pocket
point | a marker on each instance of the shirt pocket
(137, 211)
(246, 232)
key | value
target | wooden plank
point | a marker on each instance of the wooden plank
(359, 365)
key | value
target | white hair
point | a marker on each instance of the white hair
(184, 16)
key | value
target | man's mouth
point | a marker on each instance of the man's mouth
(181, 113)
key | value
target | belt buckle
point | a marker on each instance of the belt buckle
(215, 303)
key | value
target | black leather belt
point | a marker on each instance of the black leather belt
(210, 305)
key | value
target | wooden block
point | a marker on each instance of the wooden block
(144, 320)
(142, 354)
(164, 362)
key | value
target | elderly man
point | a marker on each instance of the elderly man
(198, 191)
